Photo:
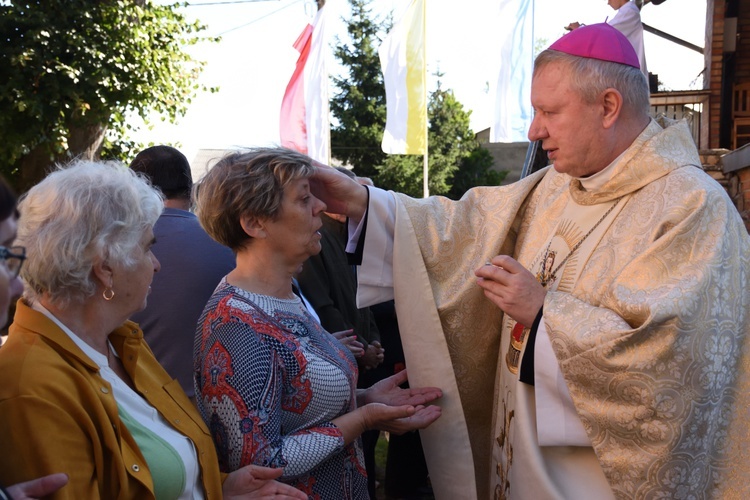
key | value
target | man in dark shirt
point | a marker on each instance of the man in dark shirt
(192, 264)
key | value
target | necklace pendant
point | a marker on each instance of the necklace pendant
(549, 279)
(546, 274)
(545, 278)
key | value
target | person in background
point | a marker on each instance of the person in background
(192, 264)
(88, 397)
(273, 386)
(624, 372)
(346, 337)
(11, 285)
(628, 21)
(11, 261)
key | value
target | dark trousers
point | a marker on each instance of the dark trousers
(406, 474)
(369, 440)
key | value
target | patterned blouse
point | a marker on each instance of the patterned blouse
(268, 382)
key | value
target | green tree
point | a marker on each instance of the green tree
(449, 138)
(475, 170)
(358, 105)
(456, 161)
(75, 68)
(359, 110)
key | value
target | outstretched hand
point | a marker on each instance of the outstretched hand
(254, 481)
(399, 419)
(341, 194)
(387, 391)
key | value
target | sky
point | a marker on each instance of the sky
(255, 59)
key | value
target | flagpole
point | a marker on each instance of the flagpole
(425, 187)
(425, 169)
(403, 59)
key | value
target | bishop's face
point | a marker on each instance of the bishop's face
(570, 129)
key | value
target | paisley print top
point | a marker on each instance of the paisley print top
(268, 381)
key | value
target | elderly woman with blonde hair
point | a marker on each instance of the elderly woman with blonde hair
(274, 387)
(85, 395)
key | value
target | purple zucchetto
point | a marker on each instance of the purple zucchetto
(598, 41)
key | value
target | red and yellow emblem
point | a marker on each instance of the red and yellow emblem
(517, 337)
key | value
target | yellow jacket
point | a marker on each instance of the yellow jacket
(57, 414)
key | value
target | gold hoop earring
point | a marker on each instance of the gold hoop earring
(108, 294)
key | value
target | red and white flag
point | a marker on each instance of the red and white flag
(304, 123)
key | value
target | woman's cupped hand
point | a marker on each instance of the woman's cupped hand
(399, 419)
(388, 407)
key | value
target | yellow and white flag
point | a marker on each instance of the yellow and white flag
(402, 56)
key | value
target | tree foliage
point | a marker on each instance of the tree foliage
(360, 110)
(74, 69)
(450, 139)
(359, 102)
(475, 170)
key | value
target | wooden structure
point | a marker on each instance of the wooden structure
(719, 114)
(727, 57)
(740, 114)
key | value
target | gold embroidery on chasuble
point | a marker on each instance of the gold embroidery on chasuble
(636, 278)
(557, 265)
(554, 274)
(461, 239)
(502, 487)
(544, 268)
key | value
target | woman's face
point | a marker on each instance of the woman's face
(295, 232)
(10, 288)
(133, 284)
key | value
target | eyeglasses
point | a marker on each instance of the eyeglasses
(13, 258)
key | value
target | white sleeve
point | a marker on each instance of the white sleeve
(557, 421)
(375, 274)
(627, 20)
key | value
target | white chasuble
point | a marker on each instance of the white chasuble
(649, 325)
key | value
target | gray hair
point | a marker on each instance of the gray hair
(246, 183)
(590, 77)
(80, 213)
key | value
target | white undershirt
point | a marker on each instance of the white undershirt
(557, 420)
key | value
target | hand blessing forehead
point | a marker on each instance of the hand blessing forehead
(341, 193)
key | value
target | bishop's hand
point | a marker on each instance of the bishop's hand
(512, 288)
(341, 194)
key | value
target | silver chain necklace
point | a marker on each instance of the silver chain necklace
(551, 277)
